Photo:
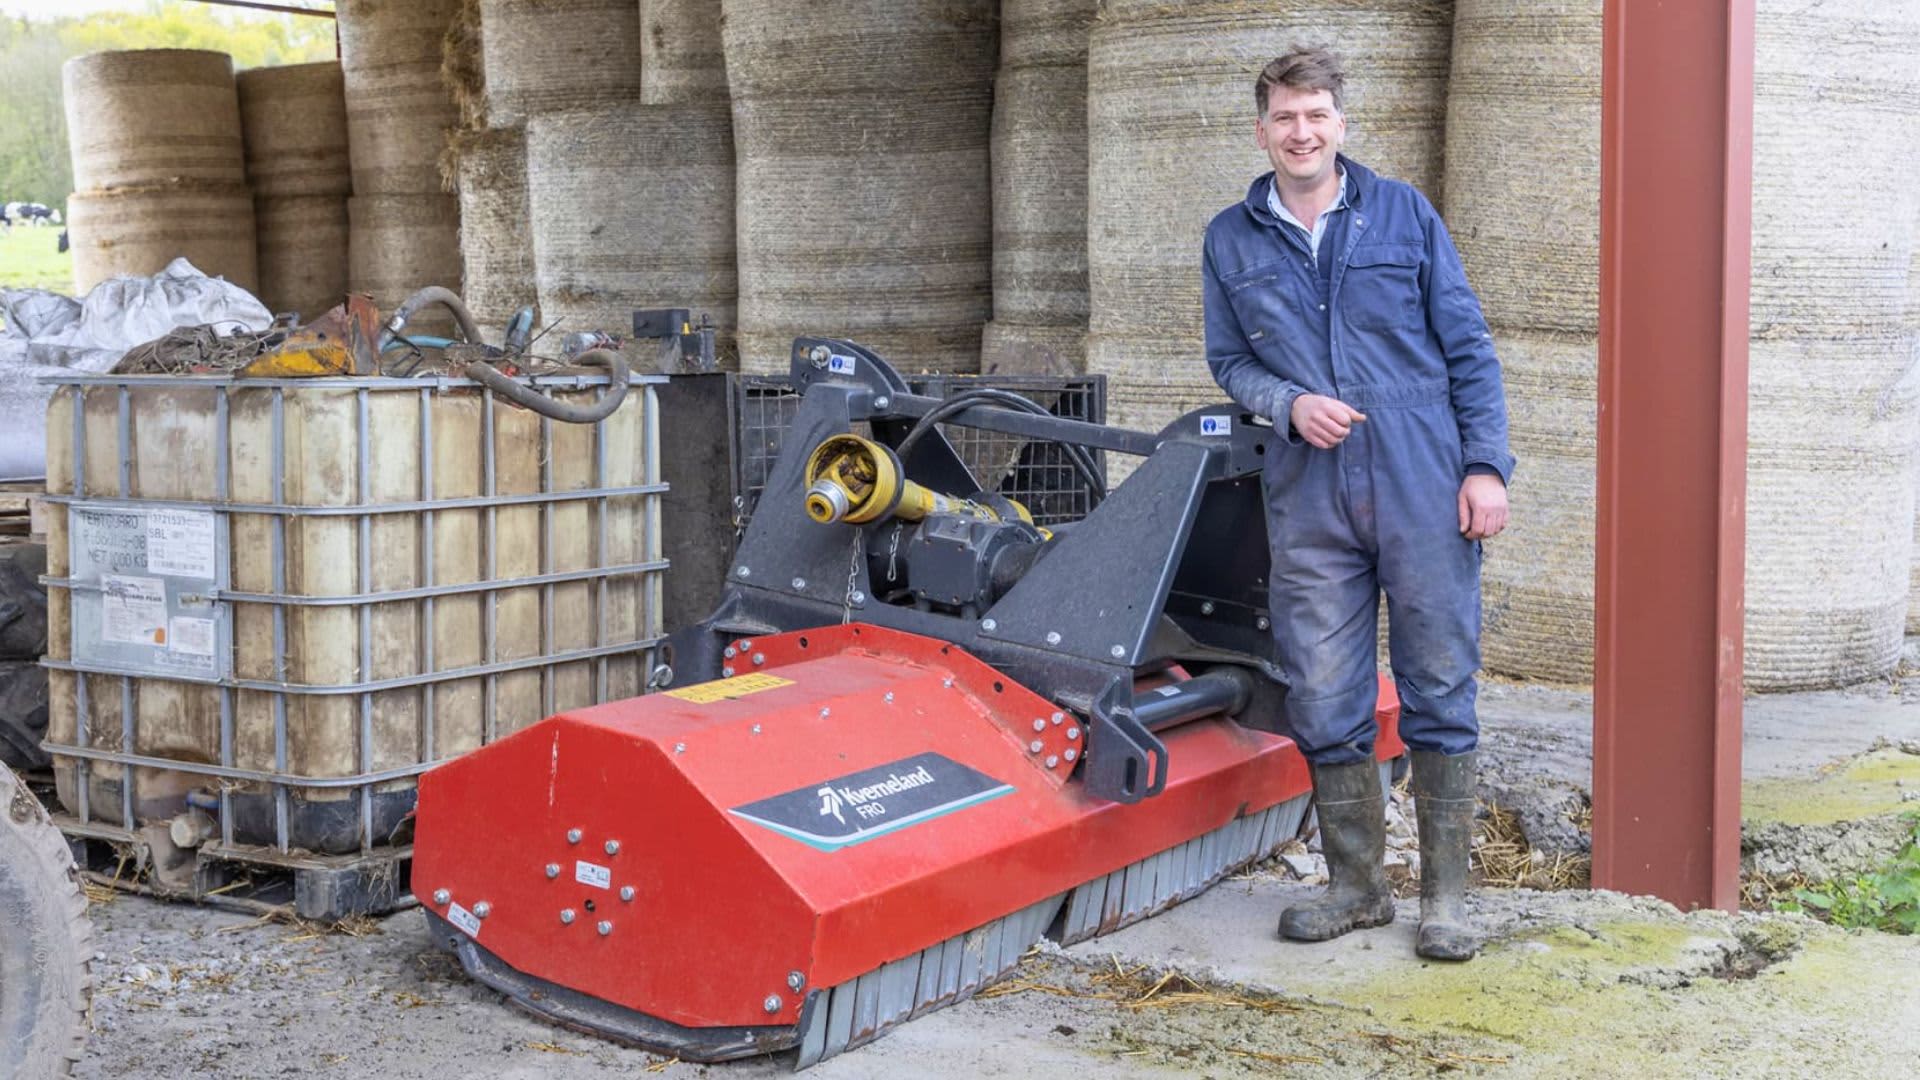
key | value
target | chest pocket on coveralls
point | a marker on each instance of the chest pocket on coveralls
(1258, 299)
(1381, 289)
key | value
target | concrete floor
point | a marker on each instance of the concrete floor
(1573, 984)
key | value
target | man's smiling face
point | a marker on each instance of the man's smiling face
(1301, 132)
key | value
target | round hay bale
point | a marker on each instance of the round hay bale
(496, 233)
(632, 207)
(1913, 320)
(864, 197)
(1156, 386)
(1045, 33)
(1832, 414)
(294, 123)
(397, 106)
(141, 230)
(303, 252)
(152, 116)
(1039, 148)
(1170, 143)
(681, 60)
(1523, 203)
(545, 56)
(1832, 418)
(397, 244)
(1008, 348)
(1913, 603)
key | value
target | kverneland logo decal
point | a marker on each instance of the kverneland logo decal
(846, 810)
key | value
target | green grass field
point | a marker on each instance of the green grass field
(30, 259)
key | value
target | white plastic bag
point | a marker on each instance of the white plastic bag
(46, 333)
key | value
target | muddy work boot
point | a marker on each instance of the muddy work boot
(1443, 803)
(1353, 836)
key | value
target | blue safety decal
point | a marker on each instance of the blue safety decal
(857, 807)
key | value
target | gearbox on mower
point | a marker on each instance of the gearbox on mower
(919, 733)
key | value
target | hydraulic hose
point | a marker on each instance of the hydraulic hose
(432, 294)
(599, 409)
(491, 377)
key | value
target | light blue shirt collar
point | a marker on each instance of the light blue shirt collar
(1319, 223)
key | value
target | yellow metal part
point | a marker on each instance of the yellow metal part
(340, 342)
(857, 480)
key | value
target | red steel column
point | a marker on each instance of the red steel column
(1675, 256)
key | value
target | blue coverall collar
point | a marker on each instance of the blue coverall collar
(1359, 185)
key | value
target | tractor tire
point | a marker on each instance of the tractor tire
(23, 601)
(46, 942)
(23, 715)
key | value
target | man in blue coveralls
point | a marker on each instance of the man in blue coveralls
(1337, 307)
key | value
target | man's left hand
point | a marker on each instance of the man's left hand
(1483, 507)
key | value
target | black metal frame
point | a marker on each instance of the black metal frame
(1170, 569)
(764, 407)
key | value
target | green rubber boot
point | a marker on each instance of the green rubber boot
(1353, 836)
(1443, 803)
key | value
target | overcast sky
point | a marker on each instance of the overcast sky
(52, 8)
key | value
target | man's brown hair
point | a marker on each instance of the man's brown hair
(1303, 68)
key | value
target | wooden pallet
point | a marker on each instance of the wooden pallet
(320, 888)
(22, 509)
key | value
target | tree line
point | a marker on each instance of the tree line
(34, 166)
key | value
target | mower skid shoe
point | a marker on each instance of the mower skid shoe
(862, 1009)
(579, 1012)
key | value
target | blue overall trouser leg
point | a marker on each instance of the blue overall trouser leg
(1344, 526)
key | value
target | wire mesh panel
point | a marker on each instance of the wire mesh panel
(1033, 472)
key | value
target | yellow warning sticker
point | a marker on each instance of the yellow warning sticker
(739, 686)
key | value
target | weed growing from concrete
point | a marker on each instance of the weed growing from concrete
(1887, 899)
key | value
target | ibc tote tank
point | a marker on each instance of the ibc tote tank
(287, 598)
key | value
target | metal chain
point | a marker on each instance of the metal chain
(893, 552)
(853, 578)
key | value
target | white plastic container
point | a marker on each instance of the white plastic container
(281, 600)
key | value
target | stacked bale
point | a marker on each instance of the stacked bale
(1523, 203)
(294, 120)
(400, 243)
(1831, 417)
(1040, 190)
(403, 228)
(633, 203)
(496, 235)
(1170, 139)
(543, 56)
(864, 190)
(157, 165)
(681, 58)
(1913, 321)
(398, 109)
(563, 83)
(633, 207)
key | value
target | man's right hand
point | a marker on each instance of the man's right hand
(1324, 421)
